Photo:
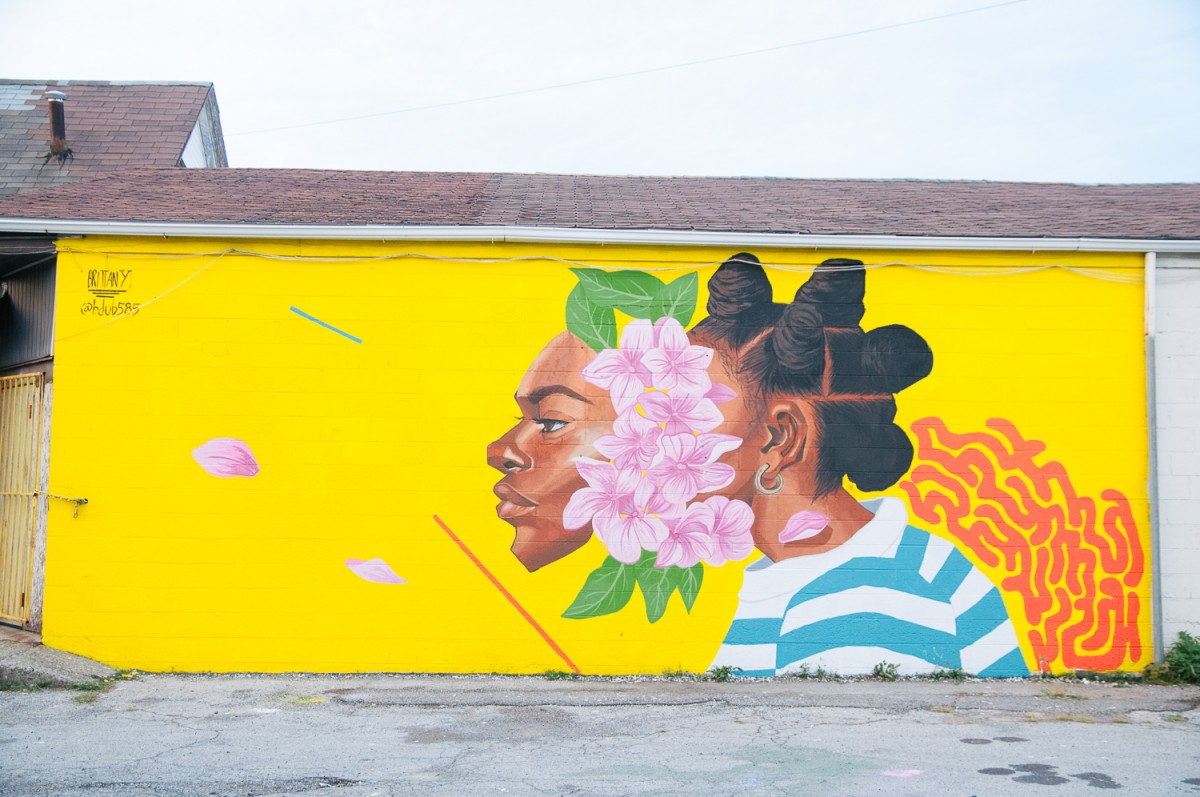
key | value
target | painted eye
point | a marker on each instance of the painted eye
(549, 425)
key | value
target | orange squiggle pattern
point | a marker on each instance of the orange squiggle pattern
(1075, 562)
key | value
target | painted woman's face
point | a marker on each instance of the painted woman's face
(562, 415)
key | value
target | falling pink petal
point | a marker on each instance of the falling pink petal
(902, 773)
(376, 571)
(803, 525)
(226, 457)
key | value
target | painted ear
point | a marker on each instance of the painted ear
(787, 435)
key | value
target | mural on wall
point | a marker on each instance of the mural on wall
(767, 466)
(682, 450)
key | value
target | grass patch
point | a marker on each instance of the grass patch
(90, 690)
(819, 674)
(1084, 718)
(560, 675)
(1062, 694)
(953, 674)
(944, 710)
(8, 684)
(1175, 718)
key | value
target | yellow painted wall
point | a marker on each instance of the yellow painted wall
(361, 444)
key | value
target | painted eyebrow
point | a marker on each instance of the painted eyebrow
(536, 396)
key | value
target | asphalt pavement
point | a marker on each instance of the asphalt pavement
(374, 735)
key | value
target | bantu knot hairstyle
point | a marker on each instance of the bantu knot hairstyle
(814, 348)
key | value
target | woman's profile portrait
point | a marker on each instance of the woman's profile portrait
(841, 584)
(561, 417)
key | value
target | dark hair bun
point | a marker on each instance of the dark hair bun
(798, 341)
(862, 442)
(894, 357)
(739, 286)
(881, 465)
(837, 288)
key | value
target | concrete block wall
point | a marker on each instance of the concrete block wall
(1177, 387)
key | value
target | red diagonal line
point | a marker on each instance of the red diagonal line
(528, 617)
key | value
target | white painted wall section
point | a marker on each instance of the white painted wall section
(1177, 384)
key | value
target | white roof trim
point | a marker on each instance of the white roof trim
(511, 234)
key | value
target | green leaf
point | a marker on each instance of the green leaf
(593, 324)
(656, 585)
(677, 299)
(687, 581)
(607, 589)
(631, 292)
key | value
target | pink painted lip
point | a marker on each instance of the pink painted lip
(512, 502)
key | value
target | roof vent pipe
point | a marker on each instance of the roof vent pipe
(58, 129)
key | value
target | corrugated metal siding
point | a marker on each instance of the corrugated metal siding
(27, 314)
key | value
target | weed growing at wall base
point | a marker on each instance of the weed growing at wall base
(1181, 665)
(723, 674)
(886, 671)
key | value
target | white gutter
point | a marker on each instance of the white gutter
(1150, 284)
(507, 234)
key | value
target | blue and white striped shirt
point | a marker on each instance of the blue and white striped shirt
(891, 593)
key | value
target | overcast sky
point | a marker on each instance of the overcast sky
(1046, 90)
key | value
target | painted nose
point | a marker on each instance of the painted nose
(506, 457)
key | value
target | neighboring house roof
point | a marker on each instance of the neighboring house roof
(109, 126)
(295, 198)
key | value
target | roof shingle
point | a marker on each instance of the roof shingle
(756, 205)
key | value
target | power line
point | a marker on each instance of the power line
(636, 73)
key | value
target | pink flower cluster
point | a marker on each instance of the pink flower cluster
(661, 455)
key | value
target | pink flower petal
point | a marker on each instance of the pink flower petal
(633, 444)
(226, 457)
(731, 530)
(719, 394)
(597, 473)
(376, 571)
(689, 539)
(583, 505)
(803, 525)
(669, 334)
(627, 536)
(681, 414)
(711, 446)
(638, 335)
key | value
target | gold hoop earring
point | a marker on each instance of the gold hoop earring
(758, 481)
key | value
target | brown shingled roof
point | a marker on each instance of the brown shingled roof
(110, 126)
(821, 207)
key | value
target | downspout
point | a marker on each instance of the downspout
(1156, 608)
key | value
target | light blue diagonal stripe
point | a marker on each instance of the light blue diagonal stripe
(330, 327)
